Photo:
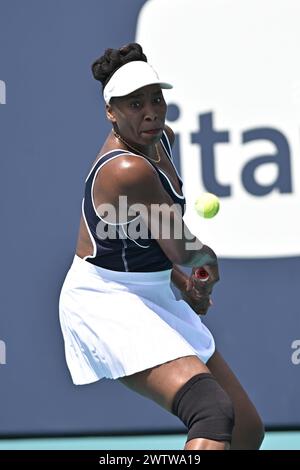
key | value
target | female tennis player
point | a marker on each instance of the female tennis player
(119, 316)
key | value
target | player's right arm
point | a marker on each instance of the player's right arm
(135, 178)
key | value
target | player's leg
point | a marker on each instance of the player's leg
(186, 388)
(248, 431)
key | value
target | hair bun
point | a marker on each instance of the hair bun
(112, 59)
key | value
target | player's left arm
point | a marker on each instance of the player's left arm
(181, 280)
(178, 277)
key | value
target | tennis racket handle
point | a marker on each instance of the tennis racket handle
(201, 274)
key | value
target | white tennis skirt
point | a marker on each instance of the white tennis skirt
(118, 323)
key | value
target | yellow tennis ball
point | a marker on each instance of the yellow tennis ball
(207, 205)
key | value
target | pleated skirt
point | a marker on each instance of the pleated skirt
(115, 324)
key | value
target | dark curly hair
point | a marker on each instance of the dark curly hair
(112, 59)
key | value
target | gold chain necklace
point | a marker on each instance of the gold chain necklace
(136, 150)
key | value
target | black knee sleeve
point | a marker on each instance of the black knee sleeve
(205, 408)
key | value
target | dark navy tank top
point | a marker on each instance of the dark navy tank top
(116, 250)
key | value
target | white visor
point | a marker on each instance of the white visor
(131, 77)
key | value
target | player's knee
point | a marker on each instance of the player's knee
(205, 408)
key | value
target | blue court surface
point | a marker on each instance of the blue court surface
(273, 441)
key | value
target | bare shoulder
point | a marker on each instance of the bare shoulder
(130, 175)
(129, 170)
(170, 134)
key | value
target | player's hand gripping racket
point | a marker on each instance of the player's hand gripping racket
(201, 274)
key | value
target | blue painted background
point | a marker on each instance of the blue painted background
(51, 128)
